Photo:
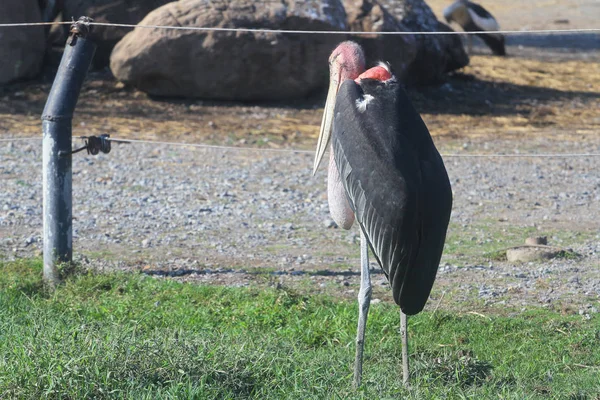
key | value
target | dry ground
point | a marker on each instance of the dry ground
(549, 84)
(492, 97)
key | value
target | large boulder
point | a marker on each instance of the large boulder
(453, 49)
(231, 65)
(370, 16)
(21, 48)
(50, 9)
(416, 59)
(436, 54)
(114, 11)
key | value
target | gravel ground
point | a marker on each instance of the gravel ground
(259, 217)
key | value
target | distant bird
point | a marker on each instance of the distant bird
(474, 18)
(385, 171)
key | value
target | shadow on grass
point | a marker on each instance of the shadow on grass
(463, 94)
(23, 276)
(254, 271)
(26, 276)
(32, 288)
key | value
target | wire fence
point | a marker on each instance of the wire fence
(283, 31)
(119, 139)
(308, 32)
(302, 151)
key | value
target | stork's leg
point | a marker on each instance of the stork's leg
(364, 300)
(404, 333)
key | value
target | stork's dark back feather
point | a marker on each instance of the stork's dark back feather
(396, 183)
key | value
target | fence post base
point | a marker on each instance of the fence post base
(56, 128)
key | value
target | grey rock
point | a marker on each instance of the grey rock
(21, 48)
(415, 59)
(116, 11)
(230, 66)
(371, 16)
(437, 54)
(50, 9)
(543, 240)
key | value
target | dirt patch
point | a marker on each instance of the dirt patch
(506, 97)
(495, 97)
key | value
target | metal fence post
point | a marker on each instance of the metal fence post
(56, 127)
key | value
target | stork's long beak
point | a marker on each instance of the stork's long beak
(327, 121)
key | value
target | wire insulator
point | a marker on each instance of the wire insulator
(93, 145)
(80, 28)
(96, 144)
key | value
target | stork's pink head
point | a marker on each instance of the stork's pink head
(346, 62)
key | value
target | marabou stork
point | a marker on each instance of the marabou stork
(385, 171)
(474, 18)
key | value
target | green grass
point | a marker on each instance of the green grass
(130, 336)
(500, 255)
(568, 255)
(497, 255)
(486, 240)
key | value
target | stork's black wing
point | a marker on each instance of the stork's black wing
(396, 183)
